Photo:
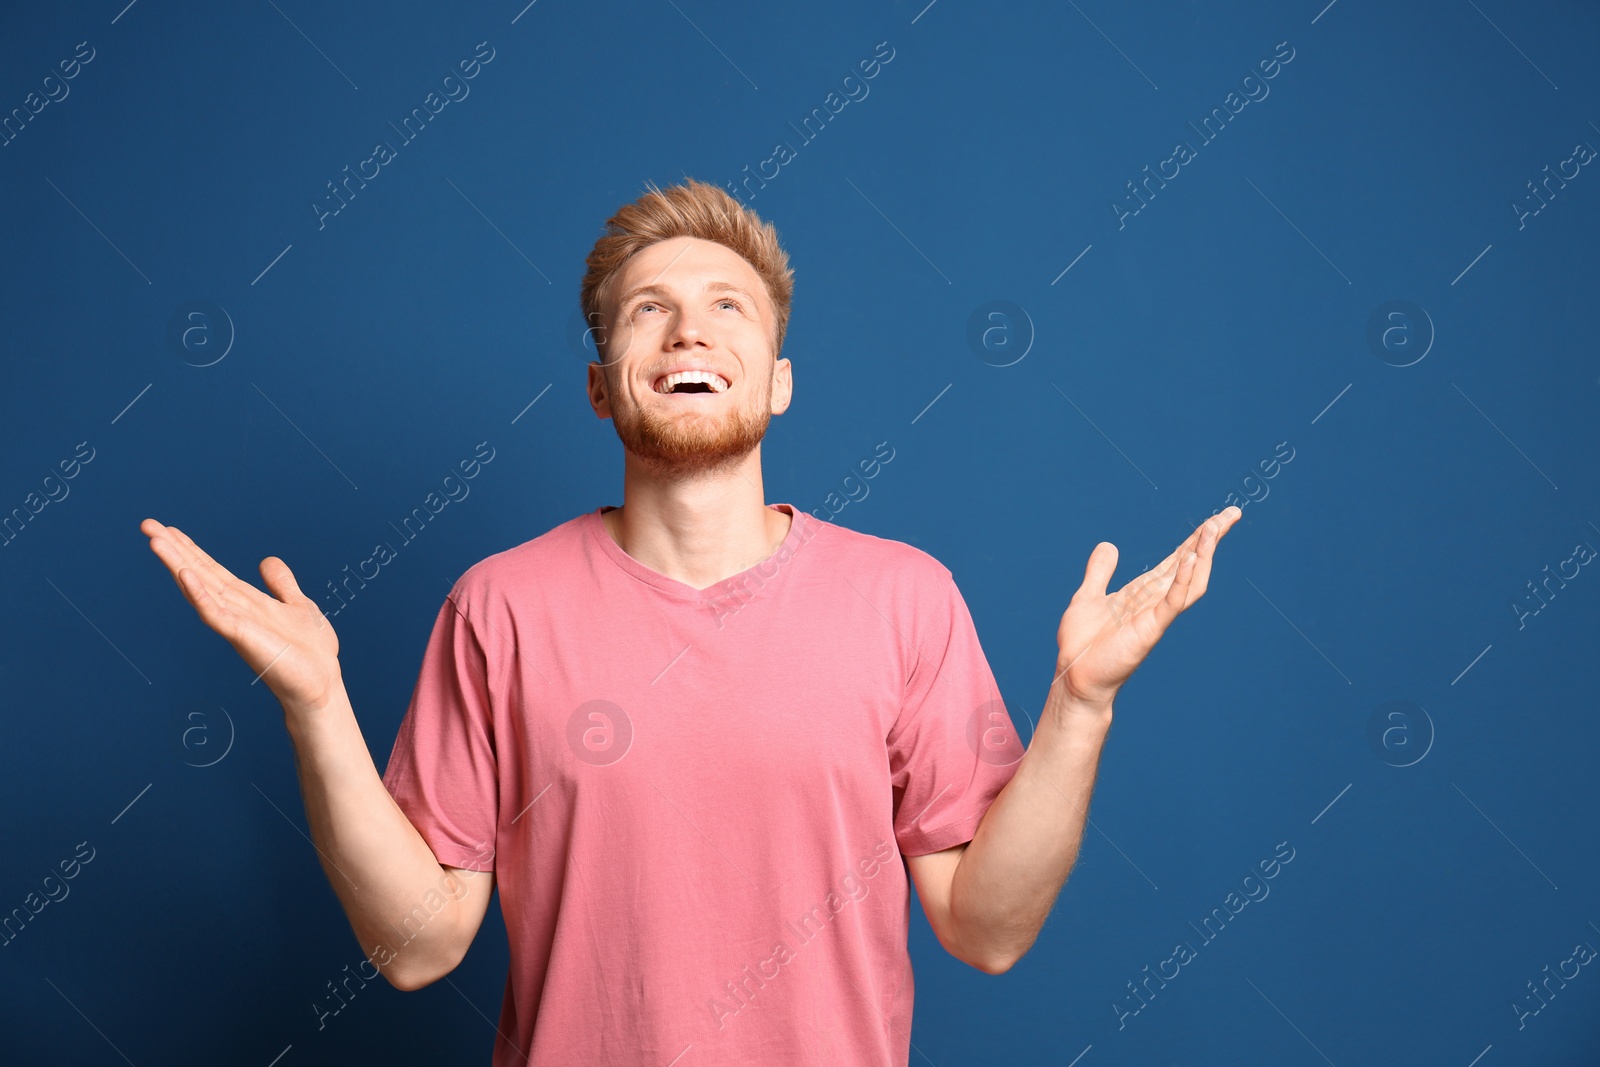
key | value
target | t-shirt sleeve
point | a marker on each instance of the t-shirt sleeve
(952, 748)
(442, 771)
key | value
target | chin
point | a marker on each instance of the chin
(684, 446)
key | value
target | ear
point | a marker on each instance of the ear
(782, 386)
(598, 398)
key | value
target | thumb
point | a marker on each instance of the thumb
(280, 580)
(1102, 565)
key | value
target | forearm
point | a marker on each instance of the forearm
(377, 862)
(1011, 872)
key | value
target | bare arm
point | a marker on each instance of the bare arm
(987, 900)
(1020, 855)
(414, 917)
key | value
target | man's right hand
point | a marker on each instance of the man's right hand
(374, 857)
(285, 638)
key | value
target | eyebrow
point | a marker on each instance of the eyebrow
(656, 290)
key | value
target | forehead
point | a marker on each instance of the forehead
(688, 264)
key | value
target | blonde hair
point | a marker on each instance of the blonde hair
(693, 209)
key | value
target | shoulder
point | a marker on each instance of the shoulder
(902, 565)
(532, 564)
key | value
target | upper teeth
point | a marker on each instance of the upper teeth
(716, 381)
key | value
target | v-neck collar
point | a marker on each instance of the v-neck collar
(608, 546)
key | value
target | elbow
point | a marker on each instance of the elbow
(995, 956)
(989, 959)
(993, 947)
(420, 973)
(408, 981)
(994, 964)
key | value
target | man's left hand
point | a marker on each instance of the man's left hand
(1104, 637)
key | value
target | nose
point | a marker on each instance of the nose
(688, 330)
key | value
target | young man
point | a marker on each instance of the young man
(699, 741)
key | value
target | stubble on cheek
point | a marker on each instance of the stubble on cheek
(692, 442)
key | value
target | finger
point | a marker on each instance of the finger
(1177, 596)
(173, 547)
(162, 547)
(1212, 529)
(1202, 570)
(280, 581)
(197, 556)
(1158, 581)
(194, 587)
(178, 560)
(222, 583)
(212, 611)
(1098, 571)
(209, 583)
(1166, 566)
(1137, 594)
(1157, 587)
(1168, 563)
(1154, 583)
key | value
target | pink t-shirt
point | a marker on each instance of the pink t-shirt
(695, 801)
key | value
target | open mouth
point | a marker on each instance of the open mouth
(691, 382)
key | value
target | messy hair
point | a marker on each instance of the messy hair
(693, 209)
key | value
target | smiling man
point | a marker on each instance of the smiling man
(704, 828)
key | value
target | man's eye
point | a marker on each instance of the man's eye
(641, 307)
(735, 303)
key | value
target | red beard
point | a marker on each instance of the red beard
(689, 443)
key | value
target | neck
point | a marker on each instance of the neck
(698, 529)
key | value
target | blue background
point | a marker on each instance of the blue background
(1442, 858)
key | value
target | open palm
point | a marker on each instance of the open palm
(1104, 637)
(284, 637)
